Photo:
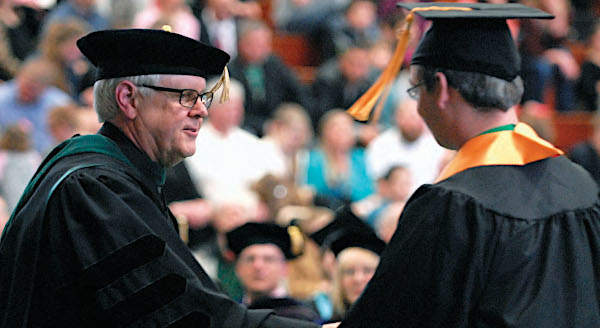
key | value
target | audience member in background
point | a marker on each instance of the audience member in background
(275, 192)
(228, 159)
(266, 79)
(219, 25)
(18, 163)
(588, 85)
(305, 16)
(84, 10)
(337, 170)
(214, 256)
(322, 226)
(121, 12)
(248, 9)
(262, 251)
(396, 96)
(287, 138)
(393, 187)
(547, 62)
(388, 221)
(540, 118)
(584, 14)
(309, 18)
(355, 26)
(29, 97)
(408, 144)
(357, 256)
(63, 122)
(19, 29)
(84, 90)
(87, 121)
(587, 153)
(339, 83)
(308, 278)
(189, 206)
(58, 46)
(175, 13)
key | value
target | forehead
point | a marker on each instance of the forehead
(262, 250)
(184, 81)
(356, 256)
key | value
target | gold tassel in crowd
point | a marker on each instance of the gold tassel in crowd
(224, 80)
(361, 109)
(297, 240)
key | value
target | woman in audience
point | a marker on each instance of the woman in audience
(175, 13)
(336, 168)
(18, 162)
(59, 47)
(393, 187)
(357, 254)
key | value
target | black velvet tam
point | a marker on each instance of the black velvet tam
(354, 238)
(253, 233)
(344, 219)
(131, 52)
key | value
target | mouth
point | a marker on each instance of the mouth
(191, 130)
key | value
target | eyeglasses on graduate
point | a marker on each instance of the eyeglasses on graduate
(414, 92)
(187, 97)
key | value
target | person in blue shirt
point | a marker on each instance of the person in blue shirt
(336, 169)
(28, 98)
(82, 9)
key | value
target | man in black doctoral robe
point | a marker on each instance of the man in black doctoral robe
(92, 242)
(509, 236)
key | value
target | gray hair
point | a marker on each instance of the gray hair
(104, 93)
(484, 92)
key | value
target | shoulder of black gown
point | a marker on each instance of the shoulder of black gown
(536, 190)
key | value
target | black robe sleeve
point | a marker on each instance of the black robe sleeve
(430, 270)
(112, 258)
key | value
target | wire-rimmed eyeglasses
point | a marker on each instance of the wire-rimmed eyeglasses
(414, 92)
(187, 97)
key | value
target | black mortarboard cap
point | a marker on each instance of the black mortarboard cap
(477, 40)
(343, 219)
(356, 238)
(253, 233)
(131, 52)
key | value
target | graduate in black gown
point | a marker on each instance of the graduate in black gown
(509, 236)
(92, 242)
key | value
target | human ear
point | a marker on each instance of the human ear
(125, 96)
(442, 91)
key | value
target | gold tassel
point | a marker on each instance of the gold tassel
(362, 108)
(224, 81)
(297, 240)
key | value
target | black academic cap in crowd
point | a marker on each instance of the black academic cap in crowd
(252, 233)
(131, 52)
(475, 40)
(286, 307)
(343, 219)
(356, 238)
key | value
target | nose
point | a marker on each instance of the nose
(199, 110)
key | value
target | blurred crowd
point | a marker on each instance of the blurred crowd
(282, 150)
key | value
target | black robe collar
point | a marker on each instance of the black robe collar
(137, 157)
